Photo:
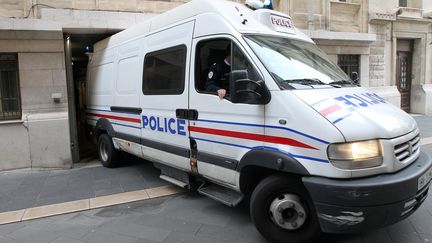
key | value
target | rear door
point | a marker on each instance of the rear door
(164, 92)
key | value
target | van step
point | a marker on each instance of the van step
(173, 181)
(222, 194)
(174, 176)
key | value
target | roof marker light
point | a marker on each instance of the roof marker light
(257, 4)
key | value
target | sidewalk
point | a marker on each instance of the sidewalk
(27, 188)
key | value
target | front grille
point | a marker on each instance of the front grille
(404, 151)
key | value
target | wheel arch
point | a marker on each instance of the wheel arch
(257, 164)
(103, 126)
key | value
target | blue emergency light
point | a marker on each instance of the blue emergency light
(268, 4)
(258, 4)
(88, 49)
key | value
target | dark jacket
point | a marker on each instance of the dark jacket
(218, 77)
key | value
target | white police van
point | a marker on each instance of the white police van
(311, 150)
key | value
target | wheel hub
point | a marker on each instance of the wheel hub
(103, 151)
(287, 211)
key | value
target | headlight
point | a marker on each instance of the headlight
(356, 155)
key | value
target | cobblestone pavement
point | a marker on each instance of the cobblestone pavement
(189, 217)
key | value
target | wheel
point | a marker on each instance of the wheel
(108, 155)
(282, 211)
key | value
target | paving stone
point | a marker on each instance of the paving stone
(110, 191)
(35, 179)
(58, 180)
(426, 238)
(110, 212)
(133, 185)
(421, 220)
(107, 237)
(106, 184)
(203, 210)
(152, 206)
(20, 202)
(26, 190)
(425, 125)
(65, 240)
(379, 236)
(332, 238)
(31, 234)
(137, 231)
(82, 193)
(403, 232)
(427, 149)
(9, 228)
(53, 190)
(82, 219)
(66, 229)
(171, 224)
(178, 237)
(9, 240)
(59, 198)
(224, 233)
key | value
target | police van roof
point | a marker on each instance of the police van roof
(232, 12)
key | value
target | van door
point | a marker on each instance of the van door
(164, 136)
(224, 131)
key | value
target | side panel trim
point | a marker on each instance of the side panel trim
(127, 110)
(183, 152)
(217, 160)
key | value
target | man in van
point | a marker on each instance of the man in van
(218, 76)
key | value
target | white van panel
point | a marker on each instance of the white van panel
(128, 82)
(166, 158)
(101, 84)
(223, 175)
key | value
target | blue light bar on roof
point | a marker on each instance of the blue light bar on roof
(257, 4)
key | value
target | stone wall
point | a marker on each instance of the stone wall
(377, 55)
(41, 138)
(31, 8)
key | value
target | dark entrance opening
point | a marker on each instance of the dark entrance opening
(82, 146)
(403, 72)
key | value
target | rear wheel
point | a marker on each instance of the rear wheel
(282, 211)
(108, 155)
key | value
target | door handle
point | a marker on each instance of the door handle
(182, 113)
(187, 114)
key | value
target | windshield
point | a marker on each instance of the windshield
(296, 64)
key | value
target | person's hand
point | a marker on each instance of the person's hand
(221, 93)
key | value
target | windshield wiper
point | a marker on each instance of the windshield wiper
(306, 81)
(342, 82)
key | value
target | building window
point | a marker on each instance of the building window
(10, 103)
(349, 63)
(164, 71)
(403, 3)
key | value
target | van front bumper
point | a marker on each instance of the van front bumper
(356, 205)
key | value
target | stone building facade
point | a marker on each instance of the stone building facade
(40, 118)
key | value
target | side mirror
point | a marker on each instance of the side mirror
(247, 91)
(355, 78)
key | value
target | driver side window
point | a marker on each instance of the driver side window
(215, 60)
(240, 62)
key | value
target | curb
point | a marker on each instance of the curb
(87, 204)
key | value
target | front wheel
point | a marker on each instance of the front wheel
(108, 154)
(282, 211)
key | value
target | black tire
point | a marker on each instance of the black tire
(268, 190)
(108, 155)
